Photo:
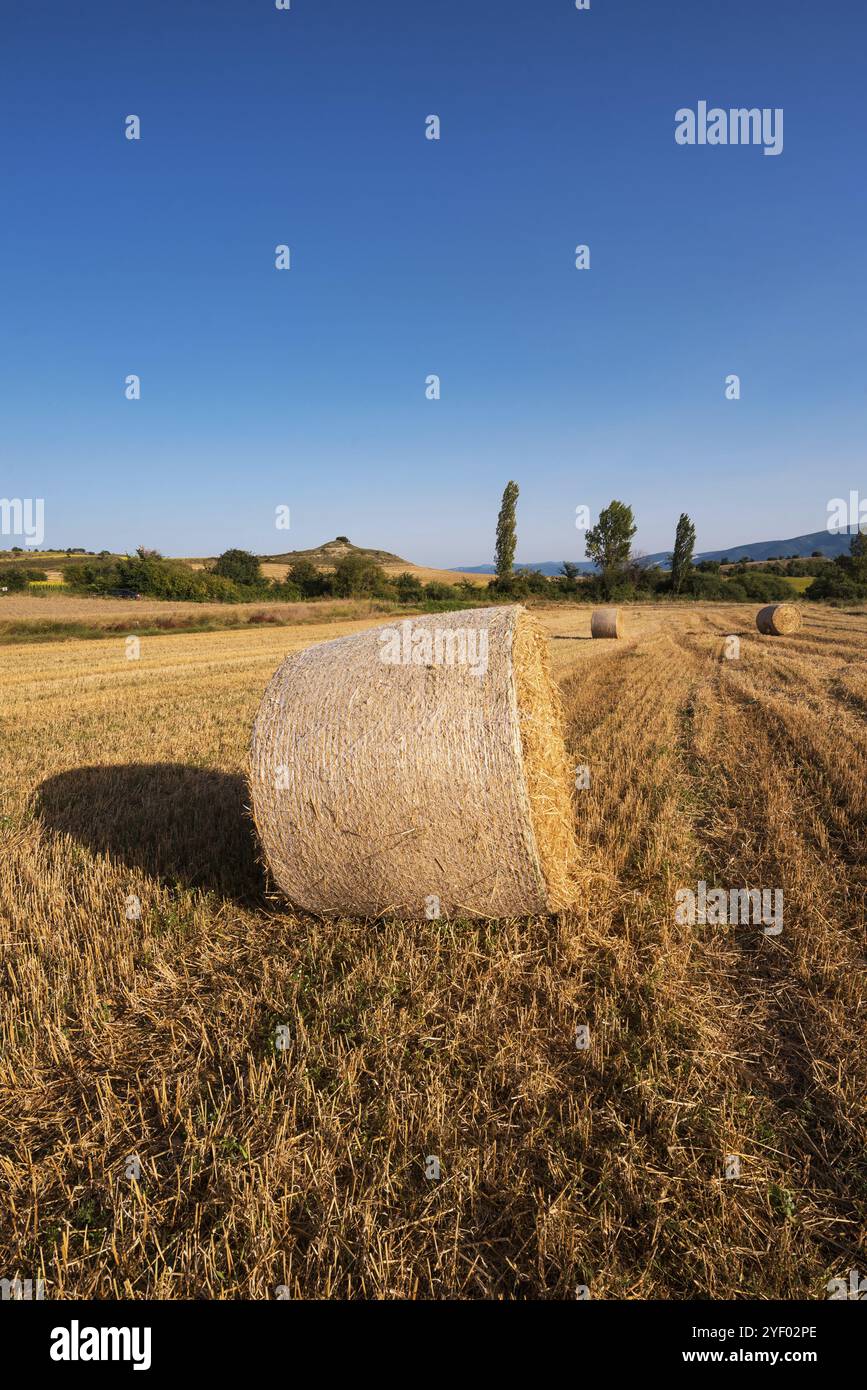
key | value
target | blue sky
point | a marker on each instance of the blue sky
(306, 388)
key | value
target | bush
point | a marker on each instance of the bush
(798, 568)
(239, 566)
(506, 586)
(616, 589)
(441, 593)
(409, 587)
(97, 578)
(310, 581)
(17, 577)
(835, 585)
(708, 585)
(746, 586)
(535, 582)
(650, 579)
(711, 586)
(286, 592)
(158, 578)
(521, 583)
(735, 592)
(356, 575)
(14, 579)
(764, 587)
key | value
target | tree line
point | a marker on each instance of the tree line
(621, 574)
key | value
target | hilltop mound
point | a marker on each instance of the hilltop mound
(331, 552)
(327, 556)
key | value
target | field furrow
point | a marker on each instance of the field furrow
(149, 1035)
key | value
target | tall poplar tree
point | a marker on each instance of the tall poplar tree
(507, 537)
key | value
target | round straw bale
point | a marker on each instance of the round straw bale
(605, 622)
(418, 770)
(778, 619)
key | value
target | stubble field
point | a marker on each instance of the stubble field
(150, 1041)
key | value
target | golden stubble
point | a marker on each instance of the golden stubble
(155, 1037)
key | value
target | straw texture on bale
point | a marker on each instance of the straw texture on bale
(605, 622)
(418, 768)
(778, 619)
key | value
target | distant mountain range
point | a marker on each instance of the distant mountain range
(827, 543)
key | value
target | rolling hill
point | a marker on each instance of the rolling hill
(827, 543)
(326, 556)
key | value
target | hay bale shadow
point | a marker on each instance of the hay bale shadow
(182, 825)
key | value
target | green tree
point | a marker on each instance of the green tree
(857, 566)
(536, 582)
(239, 566)
(440, 592)
(609, 543)
(507, 536)
(357, 574)
(681, 556)
(836, 584)
(409, 587)
(307, 578)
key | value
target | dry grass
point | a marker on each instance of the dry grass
(60, 618)
(427, 575)
(56, 616)
(424, 573)
(68, 607)
(305, 1167)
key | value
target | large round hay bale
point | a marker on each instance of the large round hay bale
(419, 770)
(778, 619)
(605, 622)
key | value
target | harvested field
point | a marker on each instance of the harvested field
(427, 575)
(28, 617)
(53, 616)
(424, 573)
(155, 1036)
(75, 608)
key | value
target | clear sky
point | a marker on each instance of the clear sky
(306, 388)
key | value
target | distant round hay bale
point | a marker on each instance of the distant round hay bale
(419, 770)
(605, 622)
(778, 619)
